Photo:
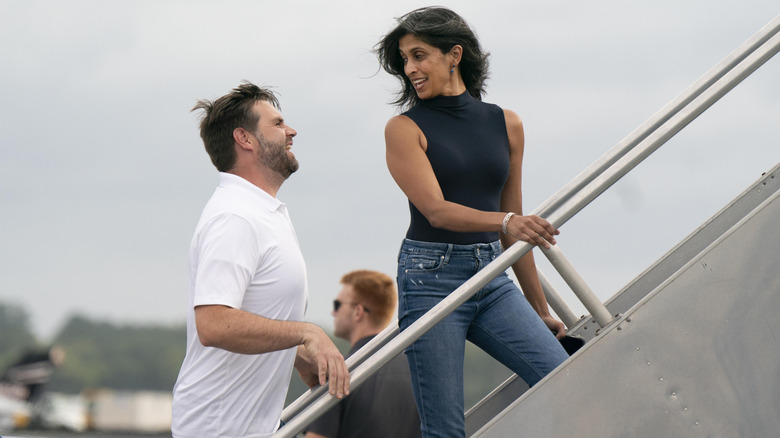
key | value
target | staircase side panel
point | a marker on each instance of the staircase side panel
(699, 356)
(689, 248)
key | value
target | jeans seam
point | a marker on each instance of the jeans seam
(420, 409)
(511, 350)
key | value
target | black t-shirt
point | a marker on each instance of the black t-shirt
(382, 407)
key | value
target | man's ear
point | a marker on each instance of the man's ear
(360, 312)
(243, 138)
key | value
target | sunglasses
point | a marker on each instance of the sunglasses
(337, 305)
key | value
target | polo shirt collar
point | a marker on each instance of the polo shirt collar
(231, 181)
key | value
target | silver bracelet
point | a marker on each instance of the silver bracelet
(506, 222)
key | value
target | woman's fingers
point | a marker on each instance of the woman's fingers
(533, 229)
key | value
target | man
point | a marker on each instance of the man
(248, 282)
(383, 406)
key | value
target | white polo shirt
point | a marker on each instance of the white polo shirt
(245, 255)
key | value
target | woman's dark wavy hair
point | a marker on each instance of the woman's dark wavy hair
(443, 29)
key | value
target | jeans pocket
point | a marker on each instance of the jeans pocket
(423, 263)
(426, 276)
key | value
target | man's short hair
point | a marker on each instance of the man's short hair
(222, 116)
(376, 292)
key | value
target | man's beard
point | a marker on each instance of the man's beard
(274, 156)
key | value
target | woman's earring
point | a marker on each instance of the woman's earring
(453, 69)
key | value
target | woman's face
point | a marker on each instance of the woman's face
(428, 68)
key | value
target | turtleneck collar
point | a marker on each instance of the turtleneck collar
(449, 102)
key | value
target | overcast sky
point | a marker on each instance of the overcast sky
(103, 174)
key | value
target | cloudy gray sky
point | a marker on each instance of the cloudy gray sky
(103, 175)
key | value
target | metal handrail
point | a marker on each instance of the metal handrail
(660, 117)
(408, 336)
(652, 142)
(558, 304)
(352, 362)
(570, 200)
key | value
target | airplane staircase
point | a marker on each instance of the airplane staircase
(690, 347)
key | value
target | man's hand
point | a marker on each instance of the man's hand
(306, 367)
(319, 361)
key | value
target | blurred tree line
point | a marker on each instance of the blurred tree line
(15, 333)
(99, 354)
(131, 357)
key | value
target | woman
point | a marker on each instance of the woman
(459, 161)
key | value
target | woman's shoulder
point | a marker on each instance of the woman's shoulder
(399, 120)
(400, 123)
(511, 118)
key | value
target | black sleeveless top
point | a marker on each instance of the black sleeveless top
(468, 149)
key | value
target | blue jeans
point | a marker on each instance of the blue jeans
(498, 319)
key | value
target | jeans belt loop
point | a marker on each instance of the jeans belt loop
(448, 252)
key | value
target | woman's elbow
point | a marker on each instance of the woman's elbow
(437, 218)
(436, 221)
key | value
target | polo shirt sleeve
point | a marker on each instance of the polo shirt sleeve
(228, 255)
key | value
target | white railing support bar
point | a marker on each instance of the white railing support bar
(660, 117)
(589, 299)
(558, 304)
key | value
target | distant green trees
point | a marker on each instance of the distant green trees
(103, 355)
(99, 354)
(15, 333)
